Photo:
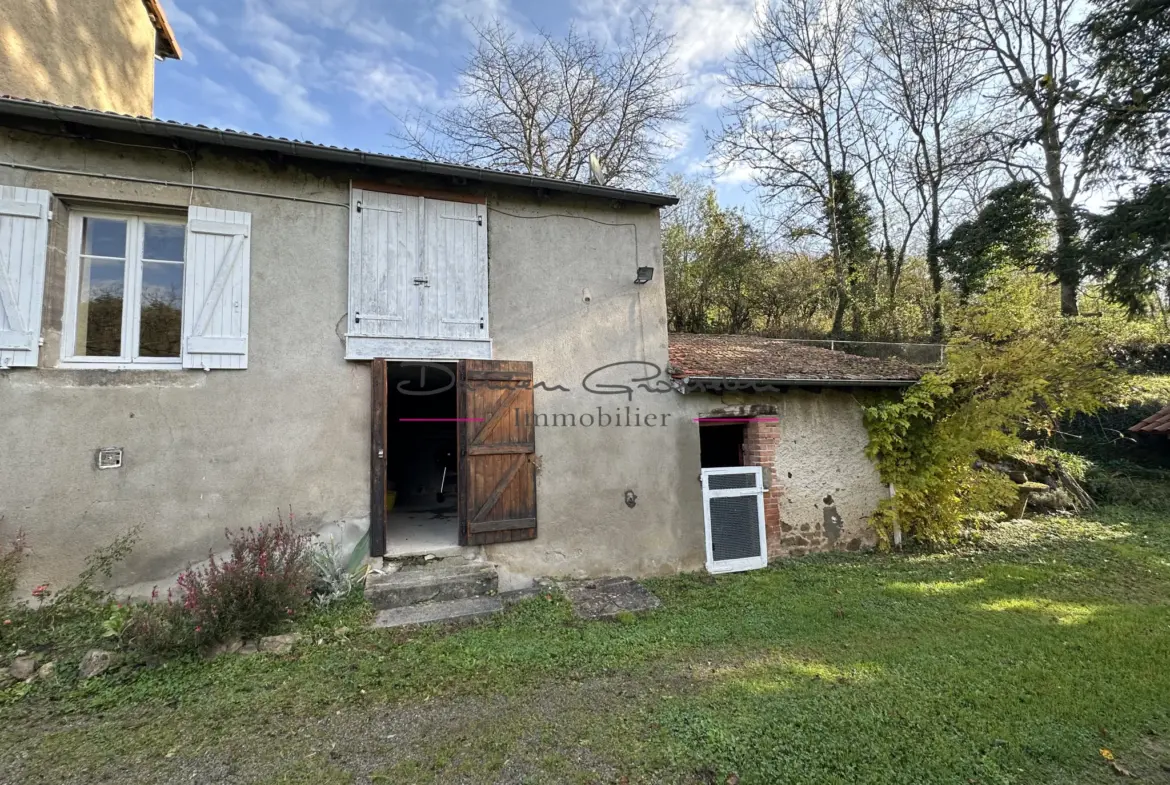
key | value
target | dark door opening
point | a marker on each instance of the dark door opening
(421, 458)
(721, 445)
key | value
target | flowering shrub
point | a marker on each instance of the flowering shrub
(265, 581)
(155, 629)
(11, 560)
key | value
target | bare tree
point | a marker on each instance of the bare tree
(542, 105)
(929, 83)
(887, 156)
(1043, 73)
(790, 116)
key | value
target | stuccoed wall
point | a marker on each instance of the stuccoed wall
(205, 451)
(828, 487)
(93, 53)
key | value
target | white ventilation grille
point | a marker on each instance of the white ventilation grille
(733, 509)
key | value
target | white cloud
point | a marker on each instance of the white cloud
(292, 95)
(466, 14)
(207, 15)
(707, 31)
(187, 28)
(391, 83)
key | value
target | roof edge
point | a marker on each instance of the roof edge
(713, 383)
(200, 134)
(168, 45)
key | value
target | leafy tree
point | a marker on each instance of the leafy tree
(1129, 248)
(849, 211)
(1011, 371)
(1131, 43)
(1010, 229)
(713, 265)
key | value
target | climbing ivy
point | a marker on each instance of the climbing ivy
(1013, 369)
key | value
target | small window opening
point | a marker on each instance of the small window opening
(721, 445)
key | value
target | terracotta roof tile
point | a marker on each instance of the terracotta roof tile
(756, 357)
(1158, 422)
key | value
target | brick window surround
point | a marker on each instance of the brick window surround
(760, 439)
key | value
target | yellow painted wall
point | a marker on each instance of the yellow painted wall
(93, 53)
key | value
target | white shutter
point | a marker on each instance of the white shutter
(455, 267)
(24, 234)
(215, 288)
(383, 265)
(417, 279)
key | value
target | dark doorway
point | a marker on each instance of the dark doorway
(721, 445)
(421, 458)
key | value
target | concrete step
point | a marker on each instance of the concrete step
(443, 611)
(436, 581)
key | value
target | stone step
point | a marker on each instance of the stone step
(448, 579)
(443, 611)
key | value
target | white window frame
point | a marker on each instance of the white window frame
(757, 490)
(131, 291)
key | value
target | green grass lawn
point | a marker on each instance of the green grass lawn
(1018, 659)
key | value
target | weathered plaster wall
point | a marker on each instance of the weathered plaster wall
(80, 53)
(205, 451)
(542, 272)
(827, 486)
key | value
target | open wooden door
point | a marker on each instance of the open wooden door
(497, 446)
(379, 400)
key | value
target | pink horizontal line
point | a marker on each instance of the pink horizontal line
(737, 419)
(440, 419)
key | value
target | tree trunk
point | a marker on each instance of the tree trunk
(1068, 263)
(934, 267)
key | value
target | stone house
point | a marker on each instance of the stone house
(199, 326)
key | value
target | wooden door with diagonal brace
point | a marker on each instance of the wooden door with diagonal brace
(497, 445)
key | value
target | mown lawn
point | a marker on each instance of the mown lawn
(1029, 657)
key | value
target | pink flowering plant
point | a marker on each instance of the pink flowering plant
(265, 581)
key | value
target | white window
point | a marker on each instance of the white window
(124, 301)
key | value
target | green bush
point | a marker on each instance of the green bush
(1013, 370)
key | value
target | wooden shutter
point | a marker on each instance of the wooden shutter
(215, 288)
(497, 472)
(24, 233)
(383, 265)
(455, 268)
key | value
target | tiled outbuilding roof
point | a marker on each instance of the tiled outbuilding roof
(1159, 422)
(776, 360)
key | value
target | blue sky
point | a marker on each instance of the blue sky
(335, 71)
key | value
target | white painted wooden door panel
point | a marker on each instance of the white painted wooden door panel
(215, 288)
(24, 233)
(384, 301)
(455, 267)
